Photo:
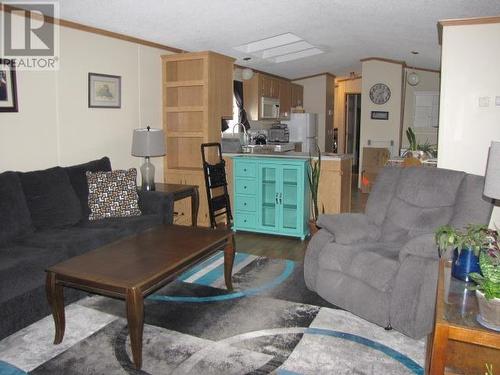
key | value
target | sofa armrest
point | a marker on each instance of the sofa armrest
(423, 246)
(350, 228)
(157, 202)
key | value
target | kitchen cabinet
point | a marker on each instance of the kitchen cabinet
(285, 96)
(271, 196)
(263, 85)
(296, 95)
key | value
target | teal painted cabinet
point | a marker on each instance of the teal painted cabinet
(271, 195)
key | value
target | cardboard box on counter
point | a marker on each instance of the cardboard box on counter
(374, 159)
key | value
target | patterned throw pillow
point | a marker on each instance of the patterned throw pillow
(113, 194)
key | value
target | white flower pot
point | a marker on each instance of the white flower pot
(489, 309)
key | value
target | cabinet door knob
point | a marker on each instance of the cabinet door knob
(245, 220)
(244, 187)
(244, 204)
(244, 169)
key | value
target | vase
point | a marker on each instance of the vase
(489, 311)
(464, 263)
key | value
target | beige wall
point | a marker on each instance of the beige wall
(429, 81)
(54, 125)
(343, 87)
(381, 132)
(469, 66)
(315, 102)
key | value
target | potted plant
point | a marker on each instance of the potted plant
(313, 173)
(420, 151)
(466, 245)
(488, 284)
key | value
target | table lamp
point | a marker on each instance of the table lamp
(492, 176)
(148, 142)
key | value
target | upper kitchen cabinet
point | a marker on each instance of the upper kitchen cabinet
(297, 95)
(266, 86)
(285, 102)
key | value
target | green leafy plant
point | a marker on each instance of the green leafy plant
(474, 237)
(425, 147)
(412, 139)
(489, 263)
(489, 369)
(313, 173)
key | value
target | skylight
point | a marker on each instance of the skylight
(280, 48)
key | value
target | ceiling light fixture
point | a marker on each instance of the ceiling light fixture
(412, 77)
(247, 74)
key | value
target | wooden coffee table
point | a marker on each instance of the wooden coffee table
(134, 267)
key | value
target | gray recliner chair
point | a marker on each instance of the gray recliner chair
(382, 265)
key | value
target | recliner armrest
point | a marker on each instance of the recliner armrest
(157, 202)
(422, 246)
(350, 228)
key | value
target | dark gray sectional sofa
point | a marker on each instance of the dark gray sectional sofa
(44, 220)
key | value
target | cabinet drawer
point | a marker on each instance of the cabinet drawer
(245, 203)
(245, 170)
(245, 220)
(245, 186)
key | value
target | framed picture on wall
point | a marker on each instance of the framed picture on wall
(104, 91)
(8, 87)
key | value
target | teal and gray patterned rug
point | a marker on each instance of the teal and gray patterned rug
(270, 324)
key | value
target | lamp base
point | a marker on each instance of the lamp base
(148, 175)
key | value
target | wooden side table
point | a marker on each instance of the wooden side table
(181, 191)
(459, 344)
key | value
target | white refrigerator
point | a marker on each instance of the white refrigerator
(303, 127)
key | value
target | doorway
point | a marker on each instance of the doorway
(352, 128)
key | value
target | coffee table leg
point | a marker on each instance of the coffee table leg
(228, 262)
(195, 205)
(55, 297)
(135, 319)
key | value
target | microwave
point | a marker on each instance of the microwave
(269, 108)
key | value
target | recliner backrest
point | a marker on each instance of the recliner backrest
(408, 202)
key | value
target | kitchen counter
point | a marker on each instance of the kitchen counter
(289, 154)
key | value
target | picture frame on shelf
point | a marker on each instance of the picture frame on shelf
(8, 86)
(104, 91)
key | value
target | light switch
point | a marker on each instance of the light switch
(484, 101)
(497, 101)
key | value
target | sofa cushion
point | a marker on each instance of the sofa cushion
(23, 268)
(15, 218)
(113, 194)
(126, 225)
(360, 260)
(51, 199)
(72, 241)
(78, 180)
(424, 199)
(349, 228)
(471, 205)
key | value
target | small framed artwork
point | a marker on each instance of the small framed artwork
(104, 91)
(8, 87)
(380, 115)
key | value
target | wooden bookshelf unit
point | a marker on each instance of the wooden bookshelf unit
(197, 95)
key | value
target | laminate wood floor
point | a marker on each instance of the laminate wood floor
(282, 247)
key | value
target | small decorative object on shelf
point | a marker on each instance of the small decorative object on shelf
(466, 245)
(148, 142)
(488, 284)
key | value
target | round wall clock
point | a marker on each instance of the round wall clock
(380, 93)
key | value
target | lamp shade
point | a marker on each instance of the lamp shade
(492, 177)
(148, 142)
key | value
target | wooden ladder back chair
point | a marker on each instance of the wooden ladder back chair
(216, 185)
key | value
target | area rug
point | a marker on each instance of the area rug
(271, 323)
